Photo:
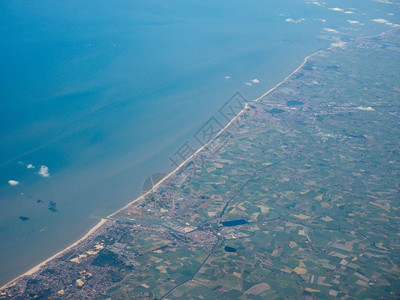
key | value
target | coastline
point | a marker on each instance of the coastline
(306, 59)
(180, 166)
(109, 217)
(37, 267)
(291, 74)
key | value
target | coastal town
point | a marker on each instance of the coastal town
(297, 198)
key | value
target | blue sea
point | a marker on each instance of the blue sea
(97, 96)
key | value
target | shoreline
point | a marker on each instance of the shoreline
(37, 267)
(109, 217)
(291, 74)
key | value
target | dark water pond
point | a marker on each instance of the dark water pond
(234, 222)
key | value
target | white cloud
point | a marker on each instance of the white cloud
(386, 22)
(248, 83)
(338, 44)
(44, 171)
(336, 9)
(28, 166)
(331, 30)
(384, 1)
(349, 12)
(382, 21)
(227, 77)
(390, 14)
(322, 20)
(369, 108)
(314, 2)
(255, 80)
(13, 182)
(354, 22)
(290, 20)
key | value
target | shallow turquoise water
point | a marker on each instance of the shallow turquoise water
(103, 94)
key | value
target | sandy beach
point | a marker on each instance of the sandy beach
(37, 268)
(181, 165)
(103, 221)
(289, 76)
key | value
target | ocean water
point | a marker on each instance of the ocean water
(102, 94)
